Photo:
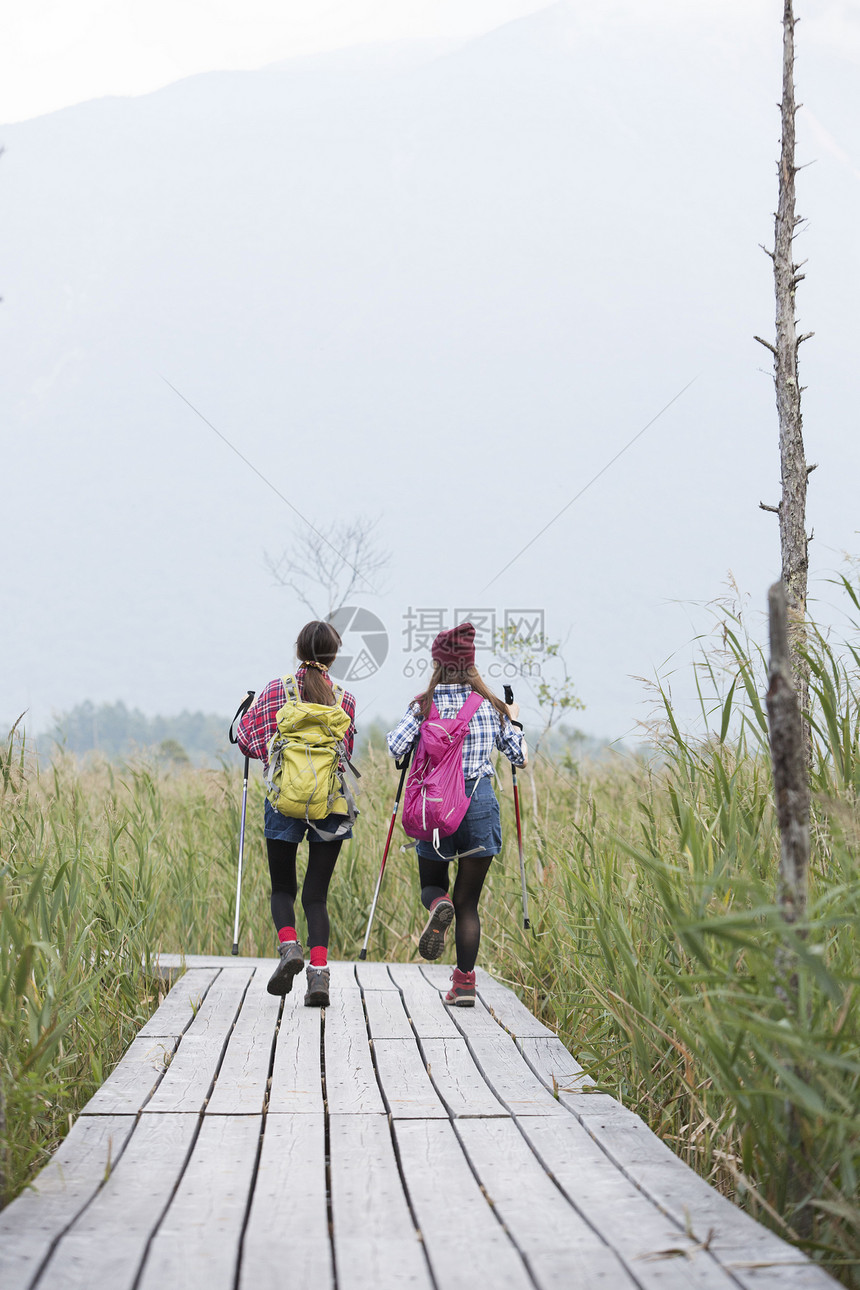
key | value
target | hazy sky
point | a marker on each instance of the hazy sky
(58, 52)
(402, 264)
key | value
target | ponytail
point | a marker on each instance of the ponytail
(317, 646)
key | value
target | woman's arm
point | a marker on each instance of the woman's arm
(512, 742)
(404, 734)
(254, 732)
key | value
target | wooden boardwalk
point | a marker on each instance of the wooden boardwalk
(247, 1143)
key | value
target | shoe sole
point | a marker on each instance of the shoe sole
(432, 941)
(281, 980)
(316, 999)
(468, 1002)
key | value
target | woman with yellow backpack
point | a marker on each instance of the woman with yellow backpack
(302, 727)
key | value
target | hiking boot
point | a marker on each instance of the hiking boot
(432, 941)
(290, 964)
(316, 995)
(462, 992)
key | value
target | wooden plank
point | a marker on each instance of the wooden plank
(374, 976)
(177, 1011)
(289, 1204)
(692, 1203)
(375, 1240)
(197, 1242)
(386, 1015)
(554, 1065)
(514, 1084)
(459, 1083)
(350, 1078)
(342, 977)
(508, 1009)
(106, 1245)
(428, 1014)
(190, 1075)
(625, 1218)
(406, 1085)
(31, 1224)
(135, 1078)
(220, 1007)
(558, 1245)
(240, 1088)
(475, 1250)
(297, 1073)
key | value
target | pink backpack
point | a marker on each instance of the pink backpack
(435, 800)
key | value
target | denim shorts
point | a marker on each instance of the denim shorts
(480, 830)
(287, 829)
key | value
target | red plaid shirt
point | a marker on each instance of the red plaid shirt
(254, 732)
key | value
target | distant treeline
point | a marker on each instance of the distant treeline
(200, 738)
(118, 732)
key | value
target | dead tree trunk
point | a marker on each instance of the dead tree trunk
(791, 792)
(790, 778)
(793, 468)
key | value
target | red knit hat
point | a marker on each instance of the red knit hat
(455, 648)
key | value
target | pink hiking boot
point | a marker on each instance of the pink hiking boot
(462, 992)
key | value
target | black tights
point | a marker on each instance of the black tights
(471, 872)
(322, 857)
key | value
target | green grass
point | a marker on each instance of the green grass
(654, 946)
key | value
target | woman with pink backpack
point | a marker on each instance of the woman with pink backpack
(450, 806)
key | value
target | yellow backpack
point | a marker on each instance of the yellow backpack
(305, 755)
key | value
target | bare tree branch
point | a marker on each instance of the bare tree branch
(337, 561)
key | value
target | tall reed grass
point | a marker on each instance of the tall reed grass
(653, 951)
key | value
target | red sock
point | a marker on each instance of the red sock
(287, 934)
(319, 956)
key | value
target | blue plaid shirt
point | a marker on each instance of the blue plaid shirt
(487, 731)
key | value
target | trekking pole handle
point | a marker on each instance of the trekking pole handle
(240, 712)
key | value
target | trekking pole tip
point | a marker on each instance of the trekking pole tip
(235, 949)
(363, 955)
(526, 925)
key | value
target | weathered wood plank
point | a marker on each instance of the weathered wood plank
(374, 976)
(190, 1075)
(221, 1005)
(297, 1073)
(558, 1245)
(342, 977)
(376, 1244)
(475, 1250)
(513, 1082)
(625, 1218)
(176, 1013)
(289, 1205)
(386, 1015)
(30, 1225)
(242, 1080)
(508, 1009)
(106, 1245)
(197, 1242)
(428, 1014)
(554, 1065)
(350, 1079)
(406, 1085)
(135, 1078)
(459, 1083)
(691, 1202)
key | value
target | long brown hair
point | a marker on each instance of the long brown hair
(456, 674)
(317, 642)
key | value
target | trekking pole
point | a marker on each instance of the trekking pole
(509, 698)
(240, 712)
(402, 765)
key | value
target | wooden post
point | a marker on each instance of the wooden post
(794, 472)
(790, 780)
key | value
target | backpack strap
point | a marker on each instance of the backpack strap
(291, 688)
(469, 708)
